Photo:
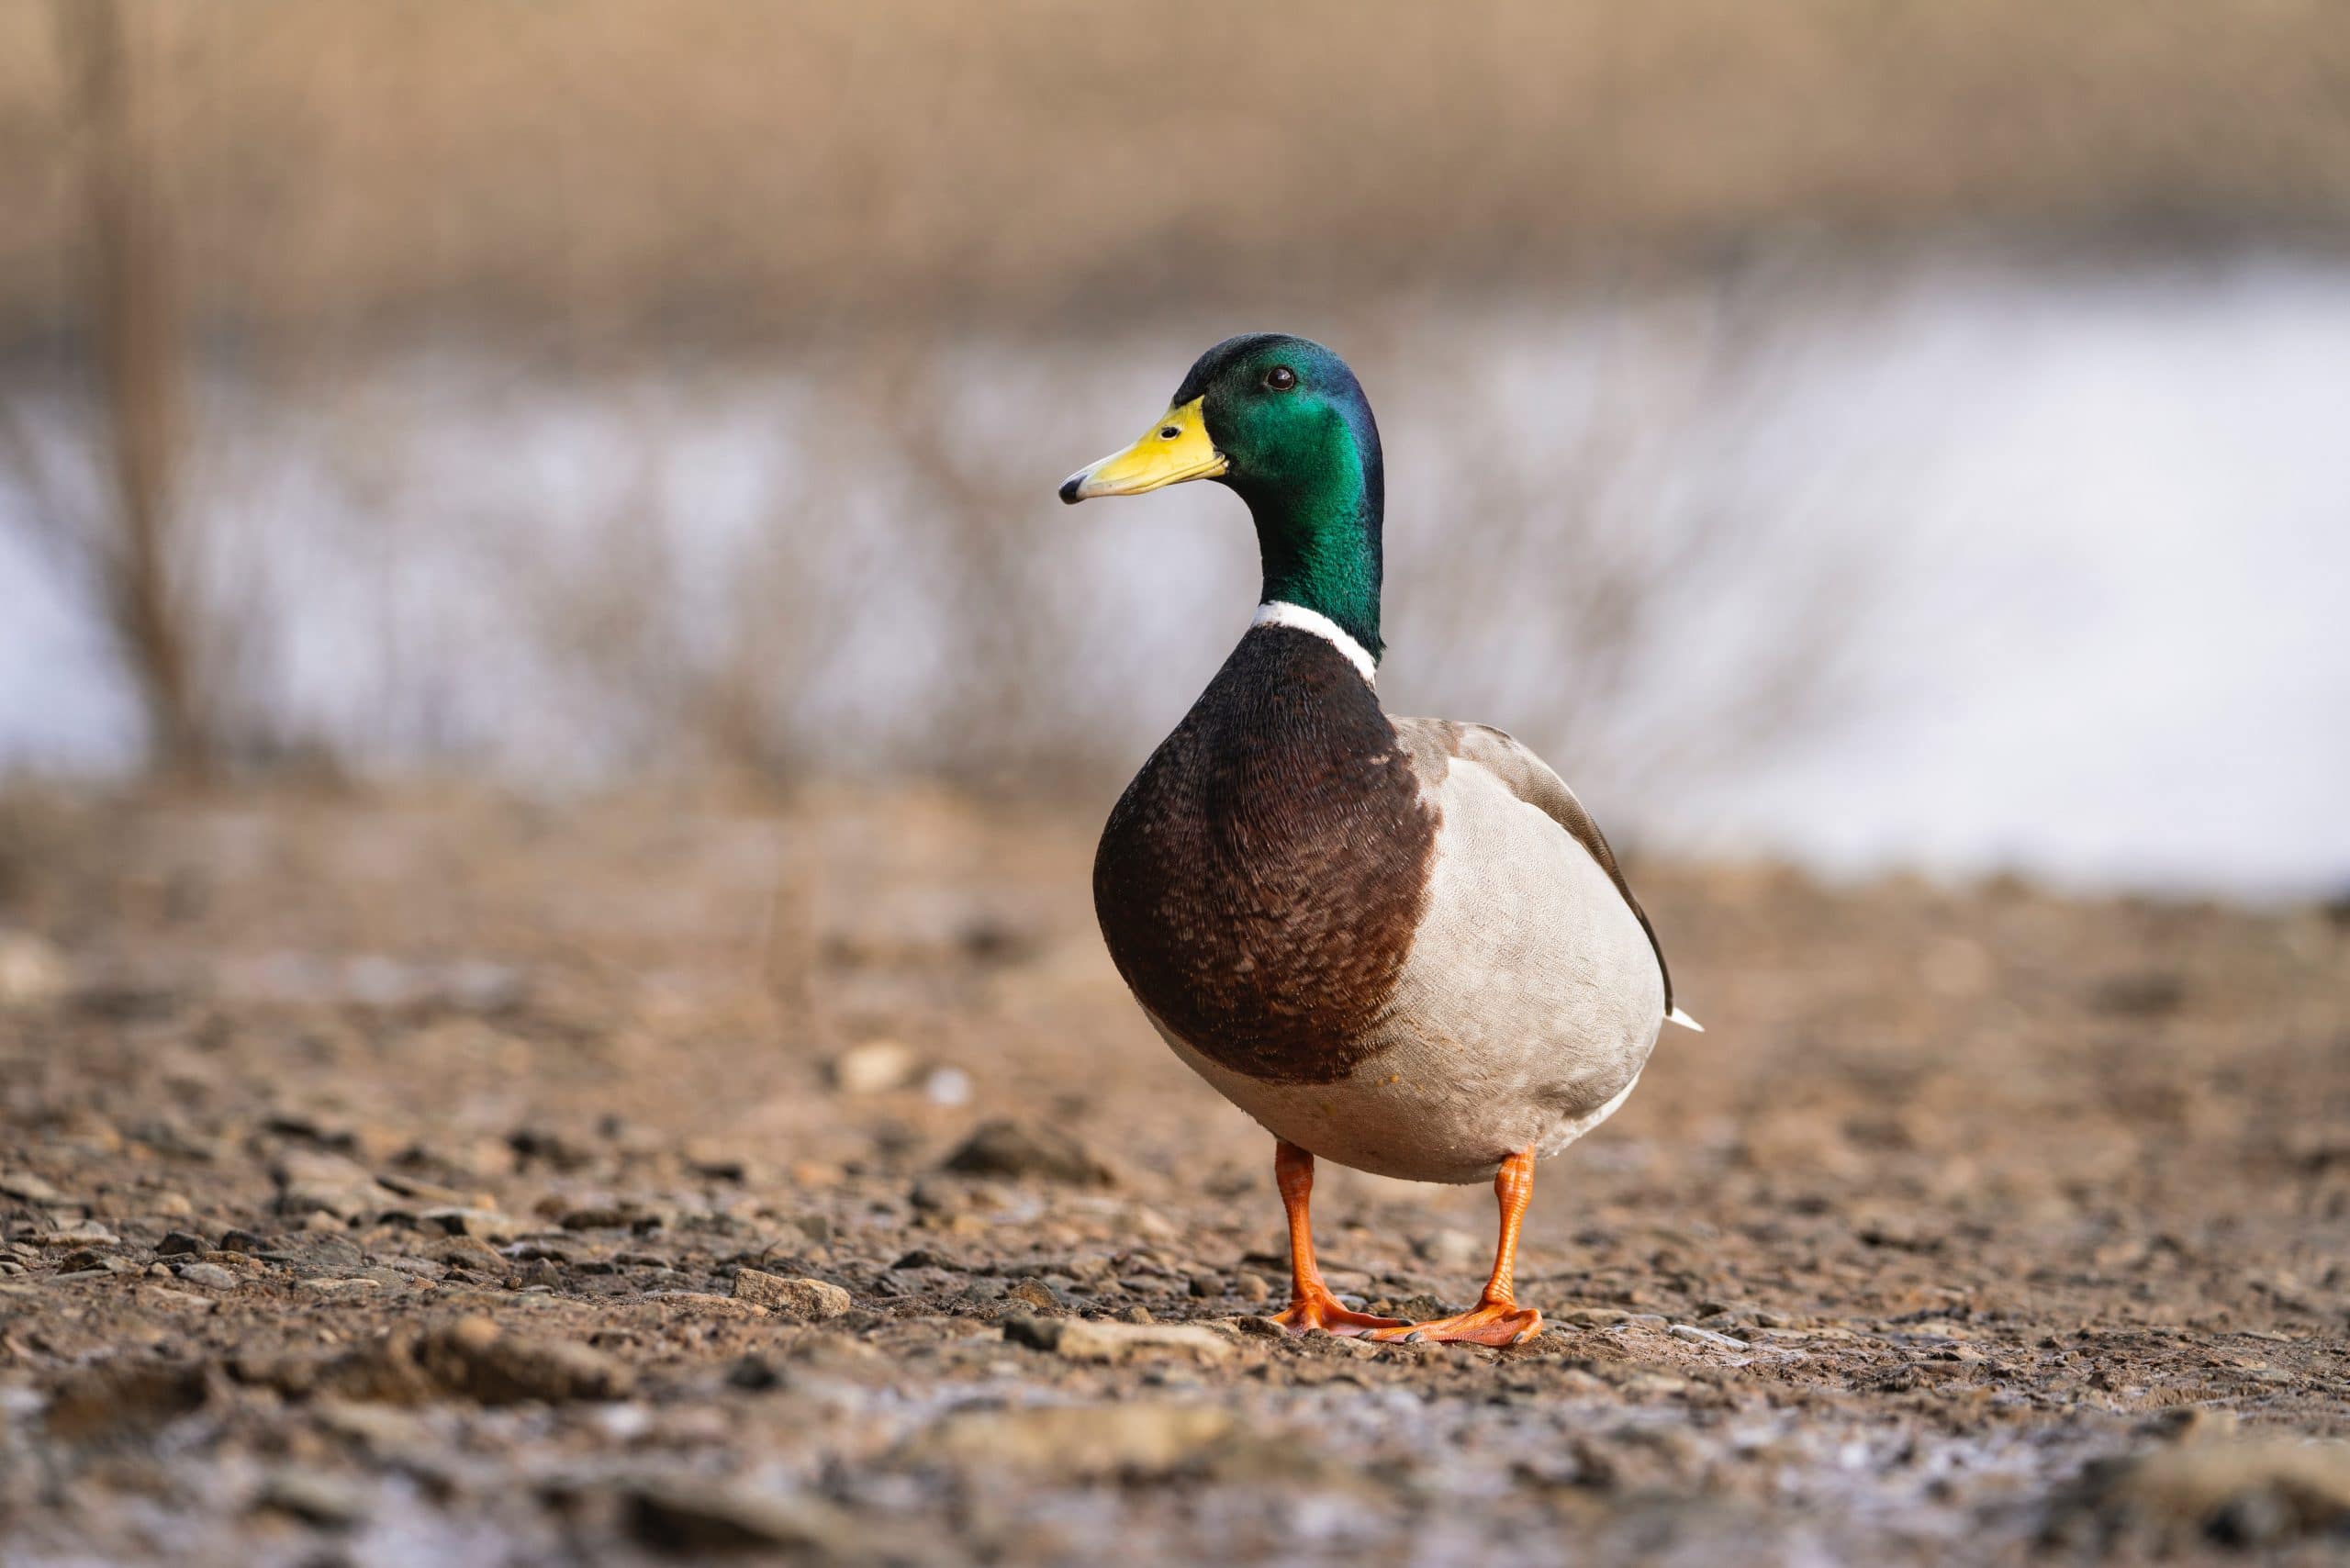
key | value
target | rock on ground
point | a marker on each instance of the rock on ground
(808, 1300)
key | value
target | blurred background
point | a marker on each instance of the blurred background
(1870, 435)
(553, 729)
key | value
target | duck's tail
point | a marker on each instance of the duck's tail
(1677, 1017)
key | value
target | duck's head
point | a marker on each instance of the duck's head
(1283, 421)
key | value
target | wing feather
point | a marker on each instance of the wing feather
(1433, 742)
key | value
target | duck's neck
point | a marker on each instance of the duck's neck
(1318, 530)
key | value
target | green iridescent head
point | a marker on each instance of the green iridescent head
(1283, 421)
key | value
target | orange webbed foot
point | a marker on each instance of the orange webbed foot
(1487, 1323)
(1322, 1310)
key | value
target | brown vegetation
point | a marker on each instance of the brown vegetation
(710, 166)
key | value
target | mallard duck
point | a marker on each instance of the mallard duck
(1399, 943)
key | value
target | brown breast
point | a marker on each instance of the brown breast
(1260, 882)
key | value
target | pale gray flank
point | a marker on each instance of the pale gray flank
(1528, 1005)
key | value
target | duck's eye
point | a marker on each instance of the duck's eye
(1280, 378)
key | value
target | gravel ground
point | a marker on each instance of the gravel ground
(447, 1180)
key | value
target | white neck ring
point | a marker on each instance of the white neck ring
(1297, 618)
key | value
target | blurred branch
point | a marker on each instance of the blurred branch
(55, 521)
(1604, 551)
(133, 315)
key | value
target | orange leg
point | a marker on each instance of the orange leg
(1311, 1304)
(1497, 1319)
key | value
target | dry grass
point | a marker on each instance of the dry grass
(741, 167)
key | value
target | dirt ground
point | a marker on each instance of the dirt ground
(450, 1180)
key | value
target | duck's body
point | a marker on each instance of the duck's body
(1400, 943)
(1373, 936)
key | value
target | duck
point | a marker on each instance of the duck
(1399, 943)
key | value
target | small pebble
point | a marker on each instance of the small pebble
(876, 1067)
(810, 1300)
(1697, 1336)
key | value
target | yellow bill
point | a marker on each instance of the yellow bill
(1176, 448)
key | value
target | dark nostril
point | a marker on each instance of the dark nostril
(1168, 433)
